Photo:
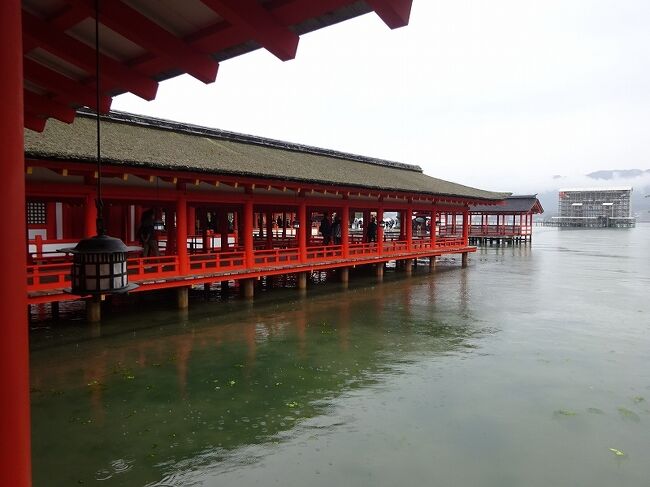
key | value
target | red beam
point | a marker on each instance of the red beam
(68, 17)
(66, 89)
(259, 23)
(41, 105)
(394, 13)
(134, 26)
(34, 122)
(79, 54)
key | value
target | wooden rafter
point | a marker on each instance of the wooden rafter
(259, 23)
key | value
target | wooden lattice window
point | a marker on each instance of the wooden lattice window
(36, 213)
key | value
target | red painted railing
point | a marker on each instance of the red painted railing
(272, 257)
(44, 277)
(446, 243)
(499, 230)
(421, 245)
(217, 262)
(369, 248)
(326, 252)
(395, 247)
(147, 268)
(55, 276)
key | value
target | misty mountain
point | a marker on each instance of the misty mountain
(618, 173)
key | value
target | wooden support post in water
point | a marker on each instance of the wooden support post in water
(55, 311)
(94, 310)
(183, 297)
(248, 288)
(380, 272)
(464, 259)
(302, 281)
(345, 276)
(408, 267)
(432, 263)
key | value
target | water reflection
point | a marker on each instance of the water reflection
(150, 398)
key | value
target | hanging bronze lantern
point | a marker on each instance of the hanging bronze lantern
(99, 266)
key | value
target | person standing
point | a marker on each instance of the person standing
(326, 229)
(147, 235)
(372, 230)
(337, 230)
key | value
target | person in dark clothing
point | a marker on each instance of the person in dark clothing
(147, 235)
(371, 233)
(326, 229)
(337, 231)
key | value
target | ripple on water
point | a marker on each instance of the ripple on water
(117, 467)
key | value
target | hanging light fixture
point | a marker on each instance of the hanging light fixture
(99, 263)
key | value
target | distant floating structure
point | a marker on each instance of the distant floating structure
(594, 208)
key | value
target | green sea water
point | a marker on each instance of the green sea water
(528, 368)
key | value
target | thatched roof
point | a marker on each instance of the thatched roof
(137, 141)
(513, 204)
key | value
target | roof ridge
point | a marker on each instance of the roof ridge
(188, 128)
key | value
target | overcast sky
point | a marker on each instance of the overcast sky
(499, 94)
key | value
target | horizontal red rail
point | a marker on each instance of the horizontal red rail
(46, 277)
(395, 247)
(500, 230)
(217, 262)
(145, 270)
(369, 248)
(326, 252)
(447, 243)
(273, 257)
(150, 268)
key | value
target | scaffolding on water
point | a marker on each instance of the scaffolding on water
(594, 208)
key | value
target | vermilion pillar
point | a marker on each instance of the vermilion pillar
(302, 233)
(90, 216)
(466, 227)
(432, 231)
(181, 234)
(408, 222)
(247, 236)
(345, 230)
(15, 467)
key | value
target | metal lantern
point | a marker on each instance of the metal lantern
(99, 266)
(296, 224)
